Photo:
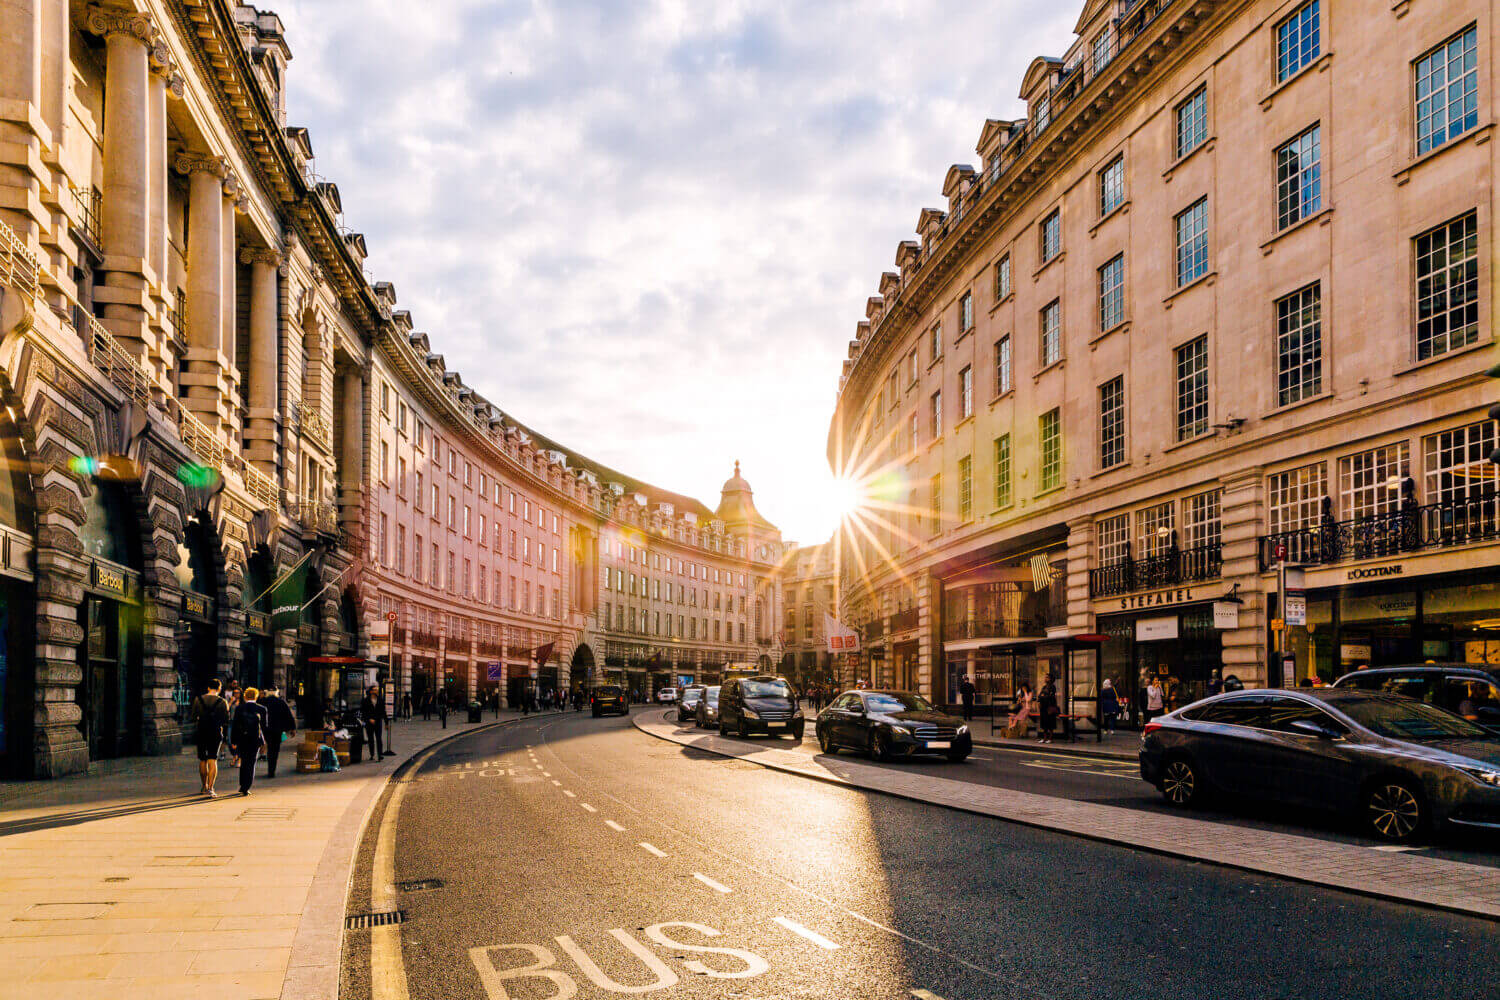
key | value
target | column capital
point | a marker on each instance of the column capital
(196, 163)
(264, 255)
(109, 21)
(164, 66)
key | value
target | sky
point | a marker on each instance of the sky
(648, 229)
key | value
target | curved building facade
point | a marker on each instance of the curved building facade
(1220, 303)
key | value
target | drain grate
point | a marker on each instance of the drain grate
(384, 918)
(417, 885)
(264, 812)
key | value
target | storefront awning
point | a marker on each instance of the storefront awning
(964, 645)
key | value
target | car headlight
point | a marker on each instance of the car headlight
(900, 730)
(962, 730)
(750, 713)
(1481, 774)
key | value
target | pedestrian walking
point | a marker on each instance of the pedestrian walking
(442, 708)
(372, 711)
(210, 715)
(1215, 684)
(966, 694)
(247, 734)
(1156, 700)
(406, 706)
(1109, 705)
(426, 706)
(1047, 711)
(232, 702)
(280, 723)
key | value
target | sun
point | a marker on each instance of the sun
(841, 498)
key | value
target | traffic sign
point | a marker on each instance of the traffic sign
(1277, 624)
(390, 616)
(1281, 551)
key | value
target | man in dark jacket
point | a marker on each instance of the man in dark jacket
(372, 710)
(966, 693)
(247, 735)
(211, 718)
(279, 722)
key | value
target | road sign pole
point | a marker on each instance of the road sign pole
(390, 662)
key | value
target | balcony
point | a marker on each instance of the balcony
(874, 630)
(1167, 569)
(424, 639)
(18, 268)
(904, 621)
(1452, 523)
(994, 628)
(314, 515)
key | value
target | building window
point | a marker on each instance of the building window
(914, 431)
(1102, 50)
(1002, 472)
(1457, 465)
(400, 417)
(1299, 345)
(966, 393)
(966, 312)
(1200, 520)
(1050, 454)
(893, 389)
(1447, 91)
(1192, 242)
(965, 488)
(1296, 497)
(1002, 365)
(936, 412)
(1299, 178)
(1112, 422)
(1192, 388)
(935, 494)
(416, 557)
(1042, 115)
(1002, 279)
(401, 549)
(911, 367)
(385, 462)
(935, 342)
(1192, 122)
(1051, 350)
(385, 555)
(436, 566)
(1297, 41)
(1114, 539)
(385, 398)
(468, 519)
(1112, 293)
(1051, 235)
(1447, 264)
(400, 476)
(1112, 186)
(1370, 481)
(1154, 527)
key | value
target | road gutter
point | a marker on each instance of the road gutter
(1432, 883)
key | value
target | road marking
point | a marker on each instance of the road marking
(653, 849)
(557, 783)
(546, 774)
(569, 794)
(1397, 848)
(813, 936)
(1131, 775)
(925, 995)
(587, 807)
(715, 886)
(539, 767)
(614, 826)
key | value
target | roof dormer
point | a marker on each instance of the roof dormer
(890, 284)
(958, 177)
(929, 222)
(908, 252)
(1040, 76)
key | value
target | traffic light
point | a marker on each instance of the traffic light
(1493, 371)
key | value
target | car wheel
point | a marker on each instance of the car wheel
(1394, 810)
(797, 734)
(879, 751)
(827, 744)
(957, 756)
(1180, 784)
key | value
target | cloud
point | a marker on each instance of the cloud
(648, 229)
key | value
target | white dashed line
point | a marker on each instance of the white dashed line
(925, 995)
(569, 794)
(652, 849)
(1397, 848)
(715, 886)
(614, 826)
(811, 935)
(587, 807)
(546, 774)
(557, 783)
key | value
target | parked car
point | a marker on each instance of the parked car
(708, 708)
(1401, 767)
(1462, 688)
(687, 705)
(666, 695)
(759, 704)
(609, 698)
(886, 724)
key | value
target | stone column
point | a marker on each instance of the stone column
(124, 224)
(261, 379)
(164, 80)
(1241, 518)
(205, 384)
(57, 70)
(20, 97)
(1080, 561)
(351, 446)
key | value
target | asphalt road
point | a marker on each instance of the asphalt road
(613, 861)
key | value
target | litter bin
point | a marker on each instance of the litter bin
(350, 720)
(476, 712)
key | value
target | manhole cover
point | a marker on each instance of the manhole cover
(382, 919)
(417, 885)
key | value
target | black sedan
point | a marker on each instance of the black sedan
(608, 698)
(886, 724)
(687, 705)
(708, 708)
(1400, 766)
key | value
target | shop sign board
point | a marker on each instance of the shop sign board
(494, 671)
(195, 606)
(1226, 615)
(1352, 652)
(1153, 629)
(257, 621)
(110, 580)
(1374, 572)
(1179, 595)
(1296, 609)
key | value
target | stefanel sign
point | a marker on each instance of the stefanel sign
(1181, 595)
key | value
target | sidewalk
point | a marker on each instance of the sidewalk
(125, 883)
(1407, 878)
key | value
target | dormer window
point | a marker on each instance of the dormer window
(1041, 115)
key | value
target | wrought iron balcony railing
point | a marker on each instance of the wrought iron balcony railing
(874, 629)
(903, 621)
(1461, 521)
(1203, 562)
(994, 628)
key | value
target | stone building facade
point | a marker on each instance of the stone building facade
(1223, 295)
(809, 589)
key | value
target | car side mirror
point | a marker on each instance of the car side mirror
(1307, 727)
(857, 710)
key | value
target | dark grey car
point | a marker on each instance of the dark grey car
(1400, 766)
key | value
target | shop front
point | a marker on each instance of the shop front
(1001, 628)
(1178, 645)
(111, 694)
(1378, 616)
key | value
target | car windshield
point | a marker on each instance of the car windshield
(887, 704)
(711, 696)
(607, 690)
(1404, 719)
(765, 689)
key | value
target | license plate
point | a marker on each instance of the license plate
(938, 744)
(775, 725)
